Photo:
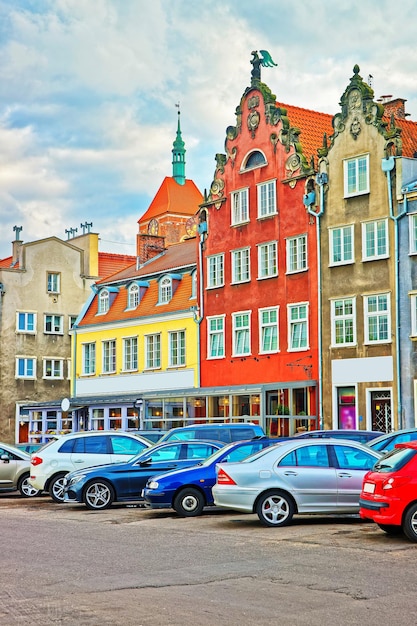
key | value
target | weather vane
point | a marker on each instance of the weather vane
(265, 60)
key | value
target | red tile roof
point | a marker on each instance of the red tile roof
(7, 262)
(109, 263)
(312, 124)
(173, 198)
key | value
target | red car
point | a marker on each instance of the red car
(389, 491)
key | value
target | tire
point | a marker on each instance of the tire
(56, 488)
(410, 523)
(390, 529)
(98, 495)
(189, 502)
(275, 508)
(26, 489)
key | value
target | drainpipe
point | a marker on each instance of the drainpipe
(387, 166)
(199, 311)
(321, 180)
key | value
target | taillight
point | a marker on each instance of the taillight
(224, 479)
(36, 460)
(395, 482)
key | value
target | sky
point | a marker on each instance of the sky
(89, 88)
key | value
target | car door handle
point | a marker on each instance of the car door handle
(290, 473)
(345, 475)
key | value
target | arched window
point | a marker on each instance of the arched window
(255, 159)
(103, 301)
(133, 296)
(165, 289)
(194, 284)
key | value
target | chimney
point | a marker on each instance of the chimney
(17, 253)
(396, 107)
(147, 247)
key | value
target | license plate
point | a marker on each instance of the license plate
(369, 488)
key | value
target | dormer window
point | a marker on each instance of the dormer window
(165, 290)
(194, 284)
(133, 296)
(253, 159)
(103, 301)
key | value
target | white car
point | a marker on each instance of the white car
(76, 451)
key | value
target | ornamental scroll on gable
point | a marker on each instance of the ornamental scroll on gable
(274, 116)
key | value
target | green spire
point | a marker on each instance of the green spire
(178, 156)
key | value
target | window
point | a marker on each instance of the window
(215, 343)
(89, 358)
(377, 318)
(413, 301)
(193, 284)
(375, 240)
(26, 322)
(267, 260)
(343, 322)
(130, 354)
(241, 333)
(267, 203)
(297, 327)
(268, 330)
(109, 356)
(54, 324)
(240, 266)
(240, 206)
(341, 245)
(25, 367)
(165, 290)
(53, 282)
(53, 368)
(215, 270)
(133, 296)
(153, 351)
(71, 321)
(297, 253)
(255, 159)
(176, 348)
(412, 227)
(103, 301)
(356, 175)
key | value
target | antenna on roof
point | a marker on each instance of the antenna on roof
(17, 230)
(86, 227)
(370, 80)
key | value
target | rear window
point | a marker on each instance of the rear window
(394, 460)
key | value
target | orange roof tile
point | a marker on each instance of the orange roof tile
(312, 125)
(109, 263)
(173, 198)
(7, 262)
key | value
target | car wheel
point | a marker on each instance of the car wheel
(390, 529)
(189, 502)
(56, 488)
(410, 523)
(26, 489)
(99, 494)
(275, 508)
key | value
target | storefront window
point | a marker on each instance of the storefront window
(98, 419)
(115, 418)
(132, 418)
(346, 408)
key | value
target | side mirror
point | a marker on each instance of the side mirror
(5, 458)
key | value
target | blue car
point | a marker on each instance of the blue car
(98, 487)
(188, 490)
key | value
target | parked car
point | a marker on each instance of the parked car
(28, 447)
(188, 490)
(78, 451)
(219, 432)
(363, 436)
(389, 491)
(153, 434)
(99, 487)
(15, 471)
(387, 442)
(298, 476)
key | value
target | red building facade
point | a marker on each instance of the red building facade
(258, 265)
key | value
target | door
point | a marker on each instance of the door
(90, 450)
(381, 411)
(8, 470)
(352, 465)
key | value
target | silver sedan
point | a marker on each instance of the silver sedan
(296, 477)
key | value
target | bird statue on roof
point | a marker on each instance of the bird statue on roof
(265, 60)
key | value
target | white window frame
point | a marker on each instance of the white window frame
(343, 318)
(240, 206)
(267, 198)
(412, 229)
(379, 314)
(268, 329)
(413, 304)
(153, 351)
(55, 328)
(56, 368)
(356, 163)
(241, 344)
(53, 282)
(346, 237)
(29, 318)
(103, 302)
(240, 265)
(216, 337)
(267, 260)
(193, 284)
(176, 348)
(26, 360)
(298, 326)
(165, 290)
(215, 271)
(372, 227)
(130, 354)
(89, 352)
(133, 296)
(296, 254)
(71, 321)
(108, 347)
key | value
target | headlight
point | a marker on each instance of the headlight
(152, 484)
(75, 479)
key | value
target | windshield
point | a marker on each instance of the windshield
(394, 460)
